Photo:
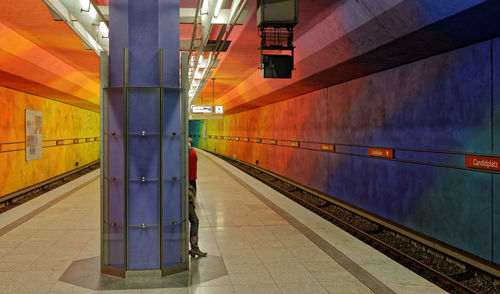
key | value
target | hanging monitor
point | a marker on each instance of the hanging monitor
(276, 66)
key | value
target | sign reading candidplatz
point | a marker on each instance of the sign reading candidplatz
(482, 162)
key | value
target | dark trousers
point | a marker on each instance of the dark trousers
(193, 219)
(192, 183)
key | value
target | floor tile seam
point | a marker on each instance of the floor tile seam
(224, 263)
(357, 271)
(202, 210)
(216, 241)
(247, 285)
(16, 223)
(211, 226)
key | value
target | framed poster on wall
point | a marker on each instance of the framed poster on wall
(33, 135)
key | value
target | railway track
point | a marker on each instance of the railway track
(444, 271)
(12, 200)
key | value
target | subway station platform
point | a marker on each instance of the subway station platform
(258, 241)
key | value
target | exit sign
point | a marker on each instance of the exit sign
(219, 109)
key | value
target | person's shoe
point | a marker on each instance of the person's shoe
(195, 250)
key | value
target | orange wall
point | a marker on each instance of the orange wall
(60, 122)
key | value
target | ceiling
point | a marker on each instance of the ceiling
(54, 64)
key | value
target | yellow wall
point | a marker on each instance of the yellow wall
(60, 121)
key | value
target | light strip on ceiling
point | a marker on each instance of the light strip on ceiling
(237, 7)
(204, 7)
(103, 28)
(218, 7)
(84, 19)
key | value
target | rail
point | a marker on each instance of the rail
(49, 184)
(369, 230)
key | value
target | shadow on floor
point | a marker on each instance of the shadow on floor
(86, 273)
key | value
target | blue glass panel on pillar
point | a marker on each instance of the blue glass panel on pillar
(169, 41)
(172, 215)
(143, 110)
(143, 28)
(143, 33)
(115, 222)
(118, 40)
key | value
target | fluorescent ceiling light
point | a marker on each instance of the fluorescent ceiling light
(83, 18)
(85, 4)
(204, 7)
(234, 5)
(104, 29)
(87, 7)
(92, 12)
(217, 7)
(91, 40)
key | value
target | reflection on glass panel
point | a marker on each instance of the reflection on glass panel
(143, 169)
(173, 215)
(113, 239)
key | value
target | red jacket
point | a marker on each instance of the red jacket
(193, 161)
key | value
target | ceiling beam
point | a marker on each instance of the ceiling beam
(187, 15)
(210, 46)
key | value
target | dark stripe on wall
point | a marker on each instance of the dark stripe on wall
(7, 147)
(438, 158)
(349, 265)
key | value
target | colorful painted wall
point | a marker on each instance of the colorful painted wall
(431, 113)
(70, 136)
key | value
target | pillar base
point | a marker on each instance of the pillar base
(176, 269)
(157, 273)
(143, 273)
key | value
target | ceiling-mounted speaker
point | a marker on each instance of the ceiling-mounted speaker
(276, 66)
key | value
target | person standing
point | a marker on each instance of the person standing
(193, 218)
(193, 162)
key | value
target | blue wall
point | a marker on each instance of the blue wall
(432, 112)
(431, 93)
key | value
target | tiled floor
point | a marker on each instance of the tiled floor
(257, 240)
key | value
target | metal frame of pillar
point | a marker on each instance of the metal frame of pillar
(106, 222)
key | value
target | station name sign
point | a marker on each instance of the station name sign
(378, 152)
(482, 162)
(327, 147)
(196, 109)
(207, 109)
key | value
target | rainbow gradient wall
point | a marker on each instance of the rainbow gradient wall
(432, 113)
(70, 136)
